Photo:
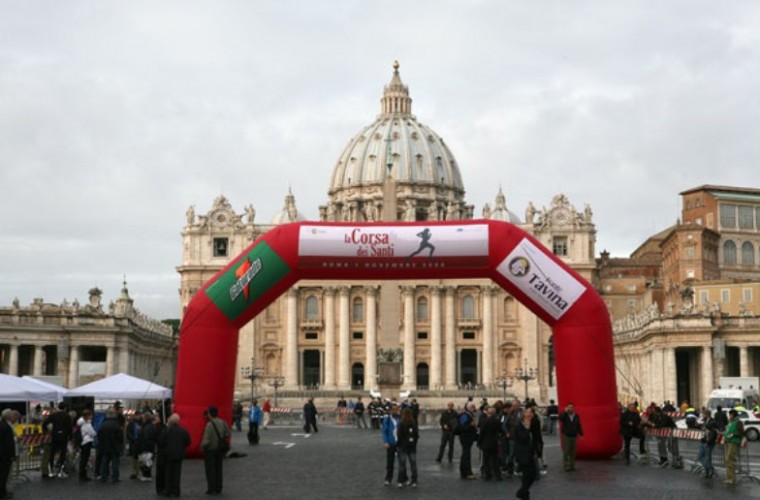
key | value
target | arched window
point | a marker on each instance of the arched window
(312, 309)
(510, 309)
(729, 252)
(422, 309)
(357, 311)
(748, 254)
(468, 307)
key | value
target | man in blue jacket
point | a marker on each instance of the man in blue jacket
(255, 416)
(390, 439)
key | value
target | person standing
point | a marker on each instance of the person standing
(389, 433)
(468, 433)
(448, 422)
(214, 446)
(571, 429)
(707, 443)
(359, 412)
(110, 444)
(552, 412)
(490, 433)
(408, 435)
(147, 446)
(62, 429)
(721, 418)
(88, 438)
(173, 442)
(237, 415)
(310, 416)
(254, 420)
(341, 409)
(525, 451)
(732, 438)
(630, 427)
(266, 409)
(7, 450)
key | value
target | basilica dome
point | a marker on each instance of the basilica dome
(397, 145)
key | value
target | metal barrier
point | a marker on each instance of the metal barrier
(30, 449)
(667, 446)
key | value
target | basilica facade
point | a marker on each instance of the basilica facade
(443, 334)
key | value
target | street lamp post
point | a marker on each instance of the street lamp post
(276, 382)
(505, 382)
(526, 374)
(252, 373)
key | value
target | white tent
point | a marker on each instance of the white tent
(62, 391)
(19, 389)
(122, 386)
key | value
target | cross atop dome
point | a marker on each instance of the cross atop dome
(396, 100)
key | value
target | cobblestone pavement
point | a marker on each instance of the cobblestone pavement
(344, 462)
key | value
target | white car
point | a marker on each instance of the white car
(750, 421)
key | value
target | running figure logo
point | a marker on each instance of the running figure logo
(425, 243)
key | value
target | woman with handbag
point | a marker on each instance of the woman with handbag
(214, 446)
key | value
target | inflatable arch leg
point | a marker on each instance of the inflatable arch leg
(374, 251)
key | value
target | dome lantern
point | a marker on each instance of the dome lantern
(396, 100)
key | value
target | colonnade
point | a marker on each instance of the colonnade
(655, 369)
(441, 344)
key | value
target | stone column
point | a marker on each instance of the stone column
(291, 342)
(671, 377)
(707, 375)
(344, 342)
(13, 360)
(73, 367)
(370, 365)
(109, 360)
(657, 375)
(487, 335)
(450, 353)
(435, 337)
(39, 353)
(410, 374)
(743, 362)
(329, 338)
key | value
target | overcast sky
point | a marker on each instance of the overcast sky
(116, 116)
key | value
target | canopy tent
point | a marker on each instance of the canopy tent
(62, 391)
(122, 386)
(19, 389)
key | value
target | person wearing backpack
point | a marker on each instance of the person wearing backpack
(468, 434)
(85, 437)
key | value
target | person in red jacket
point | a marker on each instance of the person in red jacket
(266, 409)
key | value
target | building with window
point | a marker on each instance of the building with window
(695, 318)
(425, 335)
(74, 344)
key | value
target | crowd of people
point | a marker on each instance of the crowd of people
(74, 443)
(634, 423)
(509, 436)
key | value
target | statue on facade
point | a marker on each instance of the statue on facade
(250, 212)
(409, 212)
(451, 211)
(345, 214)
(486, 211)
(190, 215)
(370, 211)
(330, 212)
(587, 213)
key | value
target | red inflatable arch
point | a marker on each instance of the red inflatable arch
(462, 249)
